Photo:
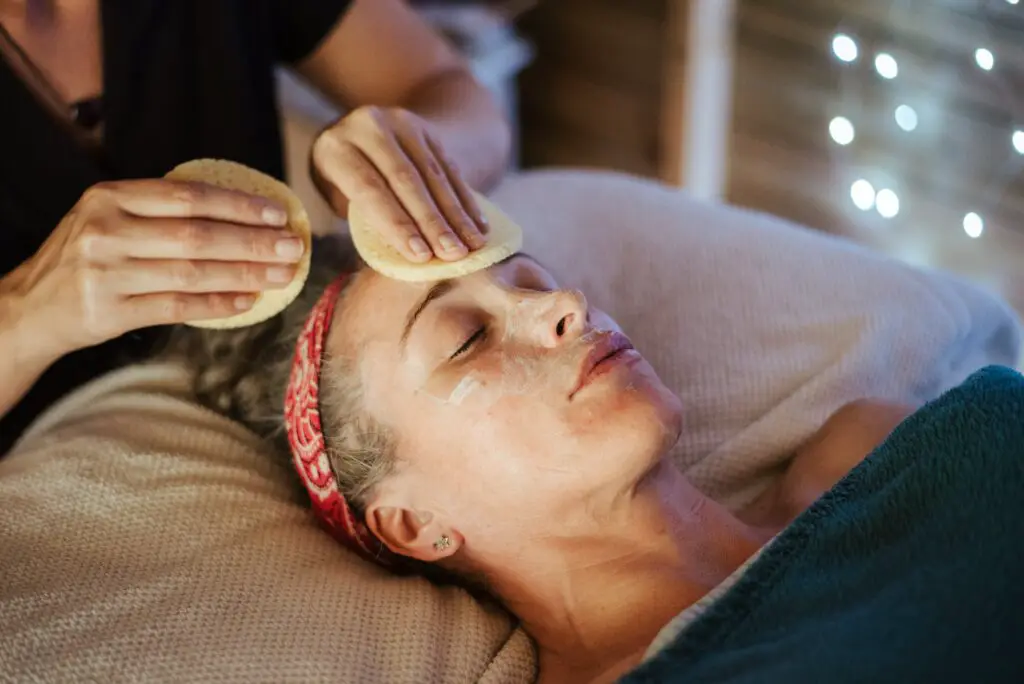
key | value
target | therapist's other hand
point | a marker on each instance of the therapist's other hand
(135, 254)
(385, 160)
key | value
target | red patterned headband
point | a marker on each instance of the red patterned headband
(306, 437)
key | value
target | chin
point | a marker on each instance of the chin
(642, 393)
(637, 424)
(658, 418)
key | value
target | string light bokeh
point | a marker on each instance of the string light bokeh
(875, 189)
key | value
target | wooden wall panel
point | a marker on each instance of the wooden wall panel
(595, 97)
(788, 86)
(592, 95)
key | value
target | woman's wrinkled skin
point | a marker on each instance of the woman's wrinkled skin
(483, 389)
(549, 473)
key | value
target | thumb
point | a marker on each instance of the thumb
(331, 193)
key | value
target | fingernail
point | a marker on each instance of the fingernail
(450, 244)
(279, 274)
(244, 302)
(274, 216)
(419, 247)
(289, 248)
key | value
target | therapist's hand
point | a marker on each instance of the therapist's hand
(385, 161)
(141, 253)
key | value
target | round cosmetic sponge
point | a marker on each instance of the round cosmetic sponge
(233, 176)
(504, 239)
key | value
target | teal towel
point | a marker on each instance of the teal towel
(911, 569)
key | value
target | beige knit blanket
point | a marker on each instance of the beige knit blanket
(143, 538)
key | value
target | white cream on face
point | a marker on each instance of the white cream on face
(527, 364)
(465, 387)
(525, 314)
(520, 357)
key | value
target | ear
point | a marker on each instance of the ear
(412, 533)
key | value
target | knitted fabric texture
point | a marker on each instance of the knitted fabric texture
(146, 539)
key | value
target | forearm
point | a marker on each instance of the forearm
(467, 123)
(22, 358)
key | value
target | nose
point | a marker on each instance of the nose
(564, 317)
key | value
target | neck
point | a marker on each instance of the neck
(603, 594)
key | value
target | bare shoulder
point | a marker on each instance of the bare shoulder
(845, 439)
(854, 431)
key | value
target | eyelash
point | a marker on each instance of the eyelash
(481, 332)
(467, 345)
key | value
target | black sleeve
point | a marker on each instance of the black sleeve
(300, 25)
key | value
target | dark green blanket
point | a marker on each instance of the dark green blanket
(910, 570)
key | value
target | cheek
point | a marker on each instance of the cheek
(478, 460)
(508, 415)
(644, 417)
(522, 419)
(488, 450)
(500, 374)
(490, 434)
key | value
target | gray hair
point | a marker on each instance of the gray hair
(243, 374)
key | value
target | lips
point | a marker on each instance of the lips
(607, 346)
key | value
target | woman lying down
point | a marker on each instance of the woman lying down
(497, 431)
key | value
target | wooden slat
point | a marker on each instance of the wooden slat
(553, 148)
(577, 103)
(612, 41)
(592, 95)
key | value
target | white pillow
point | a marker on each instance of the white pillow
(144, 538)
(762, 327)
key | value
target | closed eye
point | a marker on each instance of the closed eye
(468, 344)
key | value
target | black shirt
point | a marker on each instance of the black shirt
(183, 79)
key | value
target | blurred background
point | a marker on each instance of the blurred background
(896, 123)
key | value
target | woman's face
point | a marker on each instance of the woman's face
(511, 399)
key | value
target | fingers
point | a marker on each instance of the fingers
(161, 198)
(459, 186)
(167, 308)
(201, 239)
(382, 160)
(144, 276)
(349, 169)
(406, 184)
(437, 181)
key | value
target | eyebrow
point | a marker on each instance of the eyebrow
(440, 289)
(532, 258)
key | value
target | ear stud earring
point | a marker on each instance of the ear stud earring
(443, 543)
